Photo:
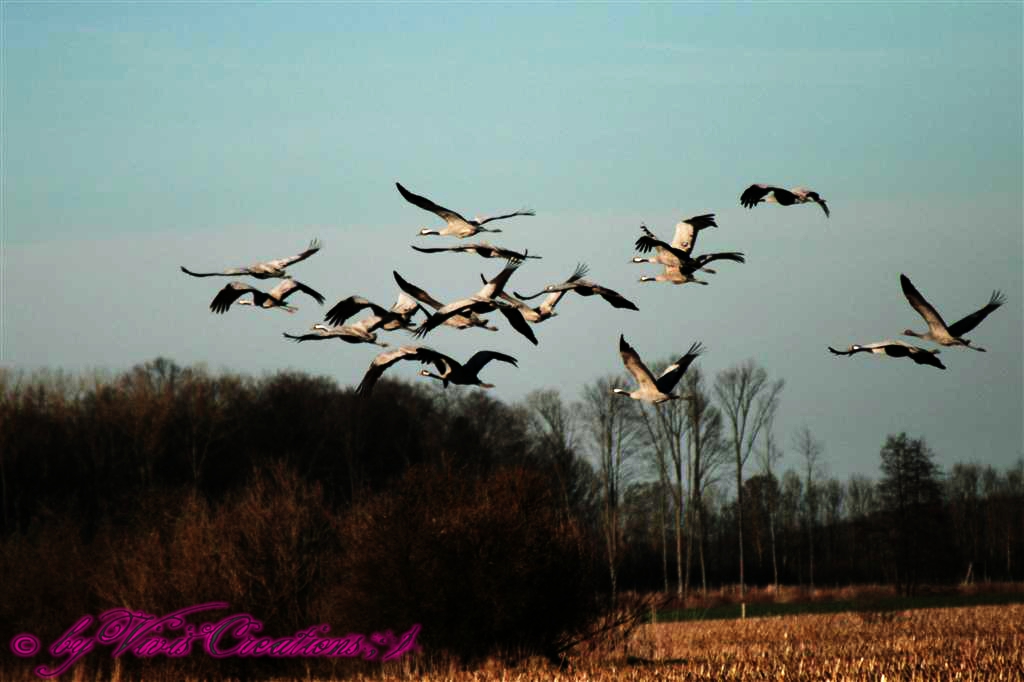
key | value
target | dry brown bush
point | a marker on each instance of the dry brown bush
(487, 565)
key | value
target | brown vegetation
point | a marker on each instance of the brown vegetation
(979, 643)
(973, 644)
(289, 498)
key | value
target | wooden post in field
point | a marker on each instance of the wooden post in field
(743, 610)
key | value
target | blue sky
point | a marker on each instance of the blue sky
(140, 137)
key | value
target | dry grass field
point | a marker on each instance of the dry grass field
(973, 644)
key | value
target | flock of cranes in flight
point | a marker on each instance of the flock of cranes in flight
(679, 266)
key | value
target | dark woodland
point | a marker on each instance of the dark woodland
(502, 530)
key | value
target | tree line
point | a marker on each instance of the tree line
(692, 496)
(296, 501)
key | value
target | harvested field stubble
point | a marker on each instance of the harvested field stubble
(980, 643)
(973, 644)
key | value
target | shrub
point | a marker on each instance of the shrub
(494, 565)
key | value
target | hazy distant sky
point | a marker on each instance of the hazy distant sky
(140, 137)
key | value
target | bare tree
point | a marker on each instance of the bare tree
(1015, 493)
(706, 452)
(861, 504)
(748, 400)
(552, 418)
(665, 426)
(767, 457)
(612, 426)
(790, 501)
(861, 497)
(810, 450)
(832, 497)
(556, 425)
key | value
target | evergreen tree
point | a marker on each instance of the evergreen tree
(911, 495)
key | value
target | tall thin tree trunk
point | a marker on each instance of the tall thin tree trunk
(688, 571)
(810, 550)
(749, 402)
(739, 518)
(700, 547)
(664, 537)
(1009, 575)
(679, 531)
(612, 521)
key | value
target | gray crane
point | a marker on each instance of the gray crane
(680, 266)
(482, 249)
(894, 349)
(584, 287)
(275, 298)
(483, 301)
(938, 330)
(650, 389)
(759, 193)
(450, 371)
(457, 226)
(399, 316)
(349, 333)
(265, 270)
(457, 321)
